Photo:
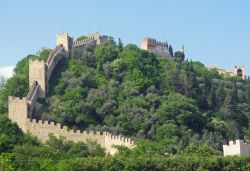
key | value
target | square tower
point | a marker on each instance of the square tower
(37, 72)
(65, 40)
(157, 47)
(237, 147)
(18, 111)
(240, 71)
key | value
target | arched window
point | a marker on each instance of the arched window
(239, 72)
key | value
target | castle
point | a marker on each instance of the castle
(21, 109)
(159, 48)
(236, 71)
(236, 147)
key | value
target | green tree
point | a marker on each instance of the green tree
(171, 50)
(179, 55)
(120, 45)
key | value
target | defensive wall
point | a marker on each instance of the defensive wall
(157, 47)
(78, 46)
(237, 147)
(40, 72)
(236, 71)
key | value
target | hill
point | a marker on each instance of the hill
(166, 104)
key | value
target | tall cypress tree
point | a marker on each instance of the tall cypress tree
(212, 98)
(120, 45)
(171, 50)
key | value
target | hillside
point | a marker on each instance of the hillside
(167, 105)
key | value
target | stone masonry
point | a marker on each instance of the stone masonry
(21, 109)
(236, 148)
(159, 48)
(236, 71)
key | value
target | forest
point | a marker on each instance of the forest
(178, 112)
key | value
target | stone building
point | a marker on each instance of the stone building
(236, 148)
(20, 109)
(236, 71)
(157, 47)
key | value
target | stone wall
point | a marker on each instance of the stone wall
(32, 98)
(42, 129)
(237, 147)
(152, 45)
(21, 109)
(18, 111)
(37, 73)
(236, 71)
(66, 41)
(56, 55)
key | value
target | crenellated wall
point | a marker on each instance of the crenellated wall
(157, 47)
(78, 46)
(40, 72)
(237, 147)
(37, 73)
(42, 129)
(18, 111)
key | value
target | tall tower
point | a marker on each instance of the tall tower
(65, 40)
(240, 71)
(37, 73)
(18, 111)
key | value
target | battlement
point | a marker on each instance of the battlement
(66, 41)
(157, 47)
(21, 109)
(42, 129)
(18, 111)
(162, 44)
(12, 98)
(84, 41)
(236, 147)
(153, 42)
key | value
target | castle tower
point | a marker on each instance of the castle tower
(159, 48)
(18, 111)
(96, 36)
(240, 71)
(37, 72)
(237, 147)
(65, 40)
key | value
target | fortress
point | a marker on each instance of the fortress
(21, 109)
(236, 71)
(159, 48)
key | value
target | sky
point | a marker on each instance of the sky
(212, 31)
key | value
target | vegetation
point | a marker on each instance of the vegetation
(167, 105)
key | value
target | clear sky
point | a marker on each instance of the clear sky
(213, 31)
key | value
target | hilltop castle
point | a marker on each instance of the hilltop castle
(157, 47)
(236, 71)
(21, 109)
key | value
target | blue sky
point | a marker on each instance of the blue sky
(213, 31)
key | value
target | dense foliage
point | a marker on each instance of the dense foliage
(167, 105)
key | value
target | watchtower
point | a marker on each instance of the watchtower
(18, 111)
(157, 47)
(240, 71)
(236, 147)
(65, 40)
(37, 73)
